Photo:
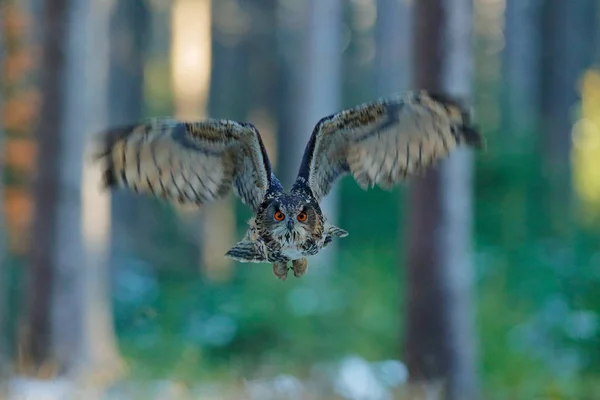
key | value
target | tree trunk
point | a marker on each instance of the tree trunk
(191, 61)
(569, 35)
(4, 353)
(288, 39)
(440, 341)
(261, 100)
(21, 110)
(113, 91)
(242, 85)
(81, 319)
(129, 34)
(18, 158)
(521, 62)
(311, 48)
(71, 319)
(47, 182)
(392, 35)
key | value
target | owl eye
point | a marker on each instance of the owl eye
(302, 217)
(279, 216)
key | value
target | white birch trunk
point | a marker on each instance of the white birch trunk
(83, 335)
(456, 222)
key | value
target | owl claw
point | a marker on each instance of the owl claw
(299, 266)
(280, 270)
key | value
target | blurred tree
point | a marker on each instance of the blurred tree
(191, 56)
(20, 105)
(70, 325)
(243, 77)
(440, 343)
(4, 353)
(311, 49)
(392, 60)
(191, 75)
(129, 33)
(43, 249)
(520, 63)
(569, 32)
(82, 320)
(262, 70)
(288, 32)
(361, 27)
(20, 108)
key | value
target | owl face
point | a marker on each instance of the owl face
(290, 218)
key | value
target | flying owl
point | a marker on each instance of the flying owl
(380, 143)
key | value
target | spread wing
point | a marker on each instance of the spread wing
(385, 141)
(187, 162)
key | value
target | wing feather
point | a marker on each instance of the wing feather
(187, 162)
(385, 141)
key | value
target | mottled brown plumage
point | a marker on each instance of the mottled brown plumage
(379, 143)
(386, 141)
(183, 162)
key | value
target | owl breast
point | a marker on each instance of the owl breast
(292, 252)
(287, 247)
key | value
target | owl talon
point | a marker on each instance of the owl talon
(280, 270)
(300, 266)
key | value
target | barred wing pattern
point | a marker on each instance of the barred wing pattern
(187, 162)
(385, 141)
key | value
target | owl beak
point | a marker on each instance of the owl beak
(290, 225)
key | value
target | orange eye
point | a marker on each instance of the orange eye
(279, 216)
(302, 217)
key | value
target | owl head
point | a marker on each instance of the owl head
(291, 217)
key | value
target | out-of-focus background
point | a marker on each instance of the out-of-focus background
(480, 280)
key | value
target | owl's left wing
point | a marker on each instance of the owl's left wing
(385, 141)
(187, 162)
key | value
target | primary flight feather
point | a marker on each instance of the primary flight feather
(378, 143)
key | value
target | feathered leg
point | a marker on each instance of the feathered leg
(280, 270)
(300, 266)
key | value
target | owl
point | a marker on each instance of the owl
(383, 142)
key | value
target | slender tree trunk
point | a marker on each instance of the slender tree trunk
(4, 353)
(241, 88)
(261, 100)
(312, 50)
(47, 182)
(21, 110)
(68, 300)
(521, 62)
(440, 342)
(131, 215)
(100, 359)
(79, 319)
(392, 35)
(288, 43)
(18, 154)
(191, 58)
(569, 35)
(129, 34)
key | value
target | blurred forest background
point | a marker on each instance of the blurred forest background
(484, 276)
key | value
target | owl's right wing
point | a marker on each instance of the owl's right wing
(187, 162)
(385, 141)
